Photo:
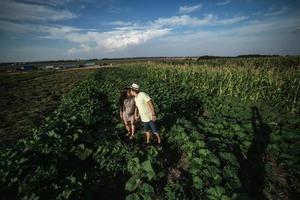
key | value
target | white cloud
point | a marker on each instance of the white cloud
(232, 20)
(268, 27)
(12, 27)
(268, 36)
(19, 11)
(223, 3)
(273, 12)
(59, 30)
(106, 41)
(252, 29)
(120, 23)
(121, 40)
(120, 37)
(71, 34)
(116, 40)
(189, 9)
(72, 51)
(83, 48)
(186, 20)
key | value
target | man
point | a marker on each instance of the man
(146, 110)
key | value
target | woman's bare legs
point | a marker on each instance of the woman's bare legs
(128, 128)
(132, 130)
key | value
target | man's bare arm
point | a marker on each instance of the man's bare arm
(136, 113)
(151, 107)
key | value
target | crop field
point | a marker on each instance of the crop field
(26, 98)
(230, 129)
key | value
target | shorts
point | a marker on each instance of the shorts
(150, 126)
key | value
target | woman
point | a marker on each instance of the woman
(128, 111)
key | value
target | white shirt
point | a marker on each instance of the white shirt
(141, 103)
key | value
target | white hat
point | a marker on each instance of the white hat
(135, 86)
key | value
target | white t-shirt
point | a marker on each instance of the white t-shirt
(141, 103)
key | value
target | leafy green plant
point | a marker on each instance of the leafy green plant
(141, 173)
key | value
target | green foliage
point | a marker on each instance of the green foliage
(81, 152)
(207, 128)
(141, 173)
(133, 183)
(217, 193)
(133, 197)
(146, 166)
(197, 182)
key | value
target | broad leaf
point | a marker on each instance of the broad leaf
(132, 183)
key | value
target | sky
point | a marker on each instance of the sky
(36, 30)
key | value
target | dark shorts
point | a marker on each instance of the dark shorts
(150, 126)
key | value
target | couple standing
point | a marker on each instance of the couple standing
(135, 104)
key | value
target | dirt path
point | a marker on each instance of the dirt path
(27, 98)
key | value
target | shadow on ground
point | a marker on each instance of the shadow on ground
(252, 170)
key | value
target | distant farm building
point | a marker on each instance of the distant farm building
(27, 67)
(89, 64)
(49, 67)
(69, 65)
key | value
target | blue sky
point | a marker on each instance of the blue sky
(33, 30)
